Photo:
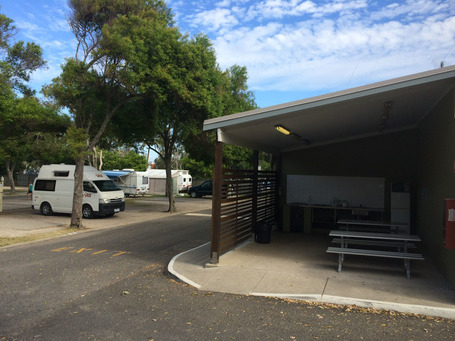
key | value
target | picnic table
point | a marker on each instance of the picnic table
(379, 240)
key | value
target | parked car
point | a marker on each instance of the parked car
(203, 189)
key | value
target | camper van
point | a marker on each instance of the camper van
(130, 182)
(53, 192)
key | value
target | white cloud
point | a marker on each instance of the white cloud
(315, 55)
(223, 3)
(289, 45)
(215, 19)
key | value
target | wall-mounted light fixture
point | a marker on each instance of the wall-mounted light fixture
(282, 129)
(287, 132)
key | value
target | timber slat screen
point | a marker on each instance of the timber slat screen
(237, 212)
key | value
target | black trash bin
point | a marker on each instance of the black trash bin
(263, 232)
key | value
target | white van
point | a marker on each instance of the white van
(53, 191)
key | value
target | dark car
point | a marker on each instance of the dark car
(203, 189)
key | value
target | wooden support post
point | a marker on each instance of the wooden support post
(254, 215)
(216, 204)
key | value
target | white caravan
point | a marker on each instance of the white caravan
(183, 178)
(130, 182)
(53, 191)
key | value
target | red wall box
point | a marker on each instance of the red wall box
(448, 236)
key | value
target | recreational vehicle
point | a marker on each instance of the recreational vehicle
(53, 192)
(130, 182)
(182, 179)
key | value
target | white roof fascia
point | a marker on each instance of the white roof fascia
(335, 97)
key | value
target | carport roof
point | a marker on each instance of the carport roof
(380, 108)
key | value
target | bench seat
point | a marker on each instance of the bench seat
(406, 256)
(372, 242)
(368, 229)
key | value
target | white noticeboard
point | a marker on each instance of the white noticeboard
(325, 190)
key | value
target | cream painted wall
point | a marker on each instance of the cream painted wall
(389, 156)
(436, 181)
(424, 157)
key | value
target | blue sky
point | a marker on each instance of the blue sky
(293, 49)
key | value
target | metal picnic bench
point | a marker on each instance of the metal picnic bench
(371, 225)
(401, 241)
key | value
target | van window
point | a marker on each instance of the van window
(145, 180)
(45, 185)
(88, 187)
(62, 173)
(106, 185)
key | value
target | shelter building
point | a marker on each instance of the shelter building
(397, 136)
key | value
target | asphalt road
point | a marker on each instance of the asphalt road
(113, 285)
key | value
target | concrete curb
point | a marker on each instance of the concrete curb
(448, 313)
(378, 305)
(171, 269)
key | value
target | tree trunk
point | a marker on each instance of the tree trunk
(169, 183)
(76, 214)
(9, 172)
(101, 160)
(95, 158)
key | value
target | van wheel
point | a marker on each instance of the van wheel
(87, 212)
(46, 208)
(193, 194)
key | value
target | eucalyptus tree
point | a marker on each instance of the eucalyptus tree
(120, 159)
(26, 124)
(103, 76)
(183, 75)
(18, 60)
(234, 97)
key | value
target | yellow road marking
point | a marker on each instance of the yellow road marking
(80, 250)
(63, 248)
(71, 249)
(98, 252)
(119, 253)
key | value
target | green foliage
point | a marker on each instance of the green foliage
(233, 97)
(29, 130)
(17, 59)
(50, 148)
(159, 163)
(77, 143)
(176, 80)
(25, 123)
(197, 169)
(79, 89)
(107, 72)
(122, 160)
(104, 75)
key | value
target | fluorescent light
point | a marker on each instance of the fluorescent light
(282, 129)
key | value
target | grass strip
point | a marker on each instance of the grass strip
(5, 241)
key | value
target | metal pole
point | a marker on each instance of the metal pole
(2, 180)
